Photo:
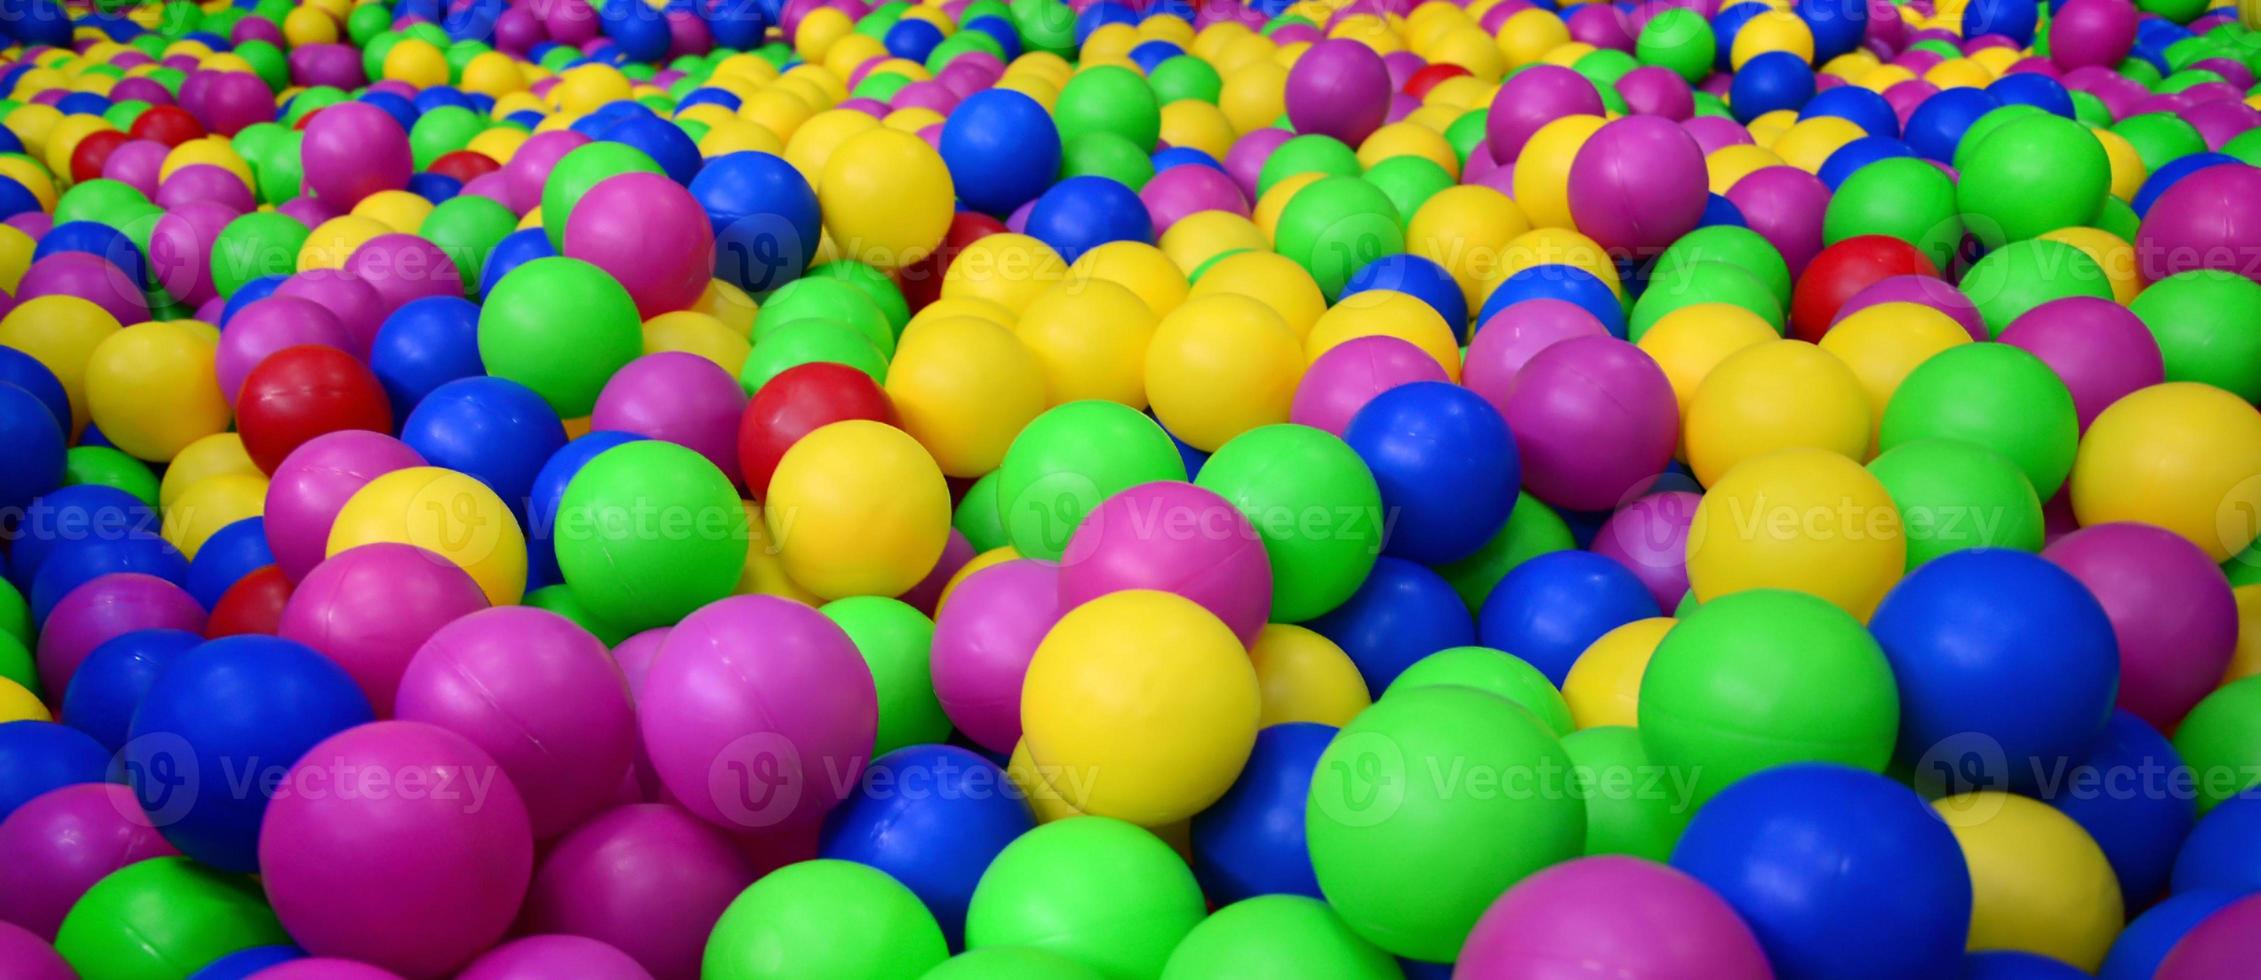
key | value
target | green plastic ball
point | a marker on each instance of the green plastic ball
(1011, 963)
(1045, 25)
(1112, 99)
(1313, 503)
(838, 920)
(1185, 77)
(2220, 740)
(2032, 175)
(2159, 137)
(1633, 806)
(1466, 133)
(1096, 890)
(468, 227)
(164, 917)
(876, 286)
(318, 97)
(959, 44)
(1986, 125)
(15, 613)
(1278, 936)
(579, 171)
(15, 663)
(880, 85)
(2178, 11)
(1953, 495)
(1310, 153)
(1740, 247)
(1694, 283)
(1532, 529)
(262, 243)
(649, 531)
(1337, 225)
(2022, 275)
(805, 341)
(825, 298)
(895, 641)
(2245, 146)
(1409, 181)
(1902, 197)
(111, 468)
(1070, 459)
(98, 200)
(1995, 396)
(2208, 325)
(1103, 154)
(267, 61)
(442, 131)
(1753, 680)
(559, 326)
(1495, 671)
(559, 599)
(976, 515)
(1678, 39)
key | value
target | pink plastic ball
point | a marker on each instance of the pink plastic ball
(180, 249)
(2208, 220)
(415, 882)
(89, 277)
(269, 325)
(759, 713)
(2171, 608)
(1346, 377)
(1535, 97)
(1187, 189)
(676, 397)
(1172, 537)
(105, 609)
(530, 167)
(2091, 32)
(1650, 538)
(1922, 291)
(325, 968)
(2100, 349)
(539, 694)
(404, 268)
(1785, 206)
(571, 22)
(649, 233)
(517, 30)
(370, 608)
(1654, 90)
(1338, 88)
(137, 162)
(1514, 335)
(547, 957)
(205, 182)
(1601, 25)
(984, 638)
(309, 211)
(1638, 185)
(30, 957)
(233, 100)
(1611, 916)
(1245, 161)
(352, 150)
(955, 554)
(357, 304)
(647, 879)
(1595, 420)
(312, 485)
(1715, 133)
(63, 841)
(2222, 946)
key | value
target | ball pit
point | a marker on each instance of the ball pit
(1047, 471)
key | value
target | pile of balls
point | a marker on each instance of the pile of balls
(982, 490)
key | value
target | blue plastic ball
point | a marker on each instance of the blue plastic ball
(1401, 613)
(495, 430)
(1181, 156)
(1420, 278)
(2011, 964)
(231, 553)
(37, 756)
(1728, 23)
(2134, 797)
(1564, 282)
(220, 728)
(2171, 173)
(1150, 54)
(912, 39)
(70, 514)
(1937, 126)
(1250, 842)
(638, 29)
(1002, 150)
(424, 344)
(1718, 210)
(516, 249)
(96, 239)
(548, 494)
(1850, 158)
(397, 106)
(665, 142)
(249, 293)
(2013, 19)
(1082, 213)
(1000, 30)
(436, 188)
(246, 963)
(36, 448)
(1840, 872)
(2224, 850)
(764, 217)
(932, 817)
(15, 198)
(1857, 105)
(1838, 26)
(735, 23)
(1101, 14)
(24, 371)
(2144, 944)
(1446, 464)
(1550, 608)
(110, 683)
(1769, 82)
(2033, 89)
(78, 561)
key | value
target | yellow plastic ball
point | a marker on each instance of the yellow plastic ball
(1149, 696)
(1304, 676)
(1528, 35)
(446, 513)
(1883, 77)
(211, 504)
(492, 73)
(1006, 269)
(18, 704)
(828, 83)
(1959, 73)
(1274, 202)
(214, 456)
(15, 257)
(1043, 800)
(979, 309)
(1729, 164)
(697, 333)
(1996, 60)
(1604, 683)
(1558, 246)
(1690, 341)
(1883, 343)
(964, 388)
(399, 211)
(309, 25)
(1219, 366)
(1197, 124)
(1542, 171)
(212, 150)
(886, 198)
(1806, 520)
(152, 391)
(583, 88)
(858, 508)
(1273, 281)
(32, 121)
(737, 135)
(729, 305)
(1404, 139)
(2128, 170)
(1254, 96)
(2111, 252)
(1090, 337)
(1775, 30)
(416, 62)
(1781, 394)
(1203, 235)
(1386, 313)
(2039, 883)
(1567, 55)
(1808, 144)
(2245, 661)
(2184, 456)
(819, 31)
(912, 119)
(764, 573)
(61, 333)
(1109, 41)
(782, 113)
(1472, 50)
(64, 139)
(1141, 268)
(1467, 229)
(333, 241)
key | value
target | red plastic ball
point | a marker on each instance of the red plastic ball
(799, 401)
(1420, 82)
(922, 280)
(301, 392)
(1844, 269)
(167, 124)
(93, 151)
(465, 165)
(253, 605)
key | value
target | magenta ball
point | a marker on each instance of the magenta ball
(1715, 133)
(539, 694)
(2222, 946)
(370, 608)
(337, 65)
(352, 150)
(548, 957)
(1245, 161)
(309, 211)
(404, 268)
(137, 162)
(180, 249)
(2083, 33)
(2222, 120)
(417, 883)
(1638, 185)
(646, 879)
(325, 968)
(1514, 335)
(89, 277)
(1595, 420)
(518, 30)
(1654, 90)
(357, 304)
(312, 485)
(235, 99)
(1923, 291)
(1346, 377)
(269, 325)
(956, 552)
(571, 22)
(1601, 25)
(650, 234)
(1611, 916)
(1338, 88)
(1535, 97)
(1650, 538)
(205, 182)
(984, 638)
(1785, 206)
(63, 841)
(759, 713)
(30, 957)
(530, 167)
(102, 610)
(2171, 608)
(2208, 220)
(676, 397)
(2100, 349)
(1172, 537)
(1187, 189)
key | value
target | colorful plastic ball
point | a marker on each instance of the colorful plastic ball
(858, 508)
(1284, 478)
(281, 699)
(799, 401)
(459, 854)
(1555, 282)
(1082, 213)
(2197, 224)
(1171, 537)
(548, 307)
(492, 429)
(2175, 456)
(444, 512)
(109, 605)
(1991, 395)
(357, 304)
(1251, 841)
(1219, 365)
(1350, 374)
(353, 150)
(1002, 150)
(299, 393)
(647, 879)
(1097, 891)
(1842, 271)
(1799, 519)
(108, 686)
(26, 423)
(38, 756)
(1955, 495)
(885, 198)
(1769, 82)
(254, 605)
(764, 217)
(162, 915)
(984, 637)
(373, 632)
(313, 484)
(2035, 174)
(2098, 348)
(1579, 910)
(1399, 614)
(1751, 846)
(1551, 607)
(2168, 660)
(1637, 185)
(2143, 946)
(1576, 397)
(936, 839)
(1770, 397)
(423, 345)
(541, 956)
(2013, 279)
(963, 387)
(1338, 88)
(676, 397)
(1532, 98)
(649, 531)
(65, 841)
(823, 918)
(2199, 320)
(2140, 832)
(1067, 462)
(25, 371)
(648, 234)
(269, 325)
(2039, 883)
(1286, 932)
(1446, 463)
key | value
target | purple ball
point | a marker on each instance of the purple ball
(356, 304)
(180, 249)
(369, 609)
(1615, 916)
(2210, 219)
(1184, 190)
(1785, 206)
(1245, 161)
(235, 99)
(308, 211)
(984, 638)
(1514, 335)
(89, 277)
(256, 29)
(517, 31)
(1535, 97)
(405, 268)
(30, 957)
(530, 167)
(1638, 185)
(1172, 537)
(2221, 121)
(492, 185)
(1601, 25)
(680, 398)
(1715, 133)
(646, 879)
(1402, 65)
(1346, 377)
(2100, 349)
(61, 842)
(1650, 538)
(140, 89)
(102, 610)
(313, 484)
(204, 182)
(926, 94)
(325, 968)
(1595, 421)
(337, 65)
(544, 957)
(2170, 606)
(267, 326)
(136, 163)
(1339, 88)
(1654, 90)
(352, 150)
(1923, 291)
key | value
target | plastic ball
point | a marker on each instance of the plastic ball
(2198, 319)
(647, 879)
(1991, 395)
(1770, 397)
(1842, 271)
(1403, 435)
(154, 916)
(299, 393)
(65, 841)
(1954, 495)
(885, 197)
(2034, 174)
(551, 305)
(1067, 462)
(649, 531)
(2197, 224)
(539, 956)
(353, 150)
(109, 685)
(674, 397)
(799, 401)
(1581, 394)
(1637, 185)
(1096, 891)
(984, 636)
(1579, 910)
(442, 512)
(825, 917)
(337, 610)
(2011, 280)
(2039, 883)
(938, 840)
(1293, 933)
(1219, 365)
(313, 484)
